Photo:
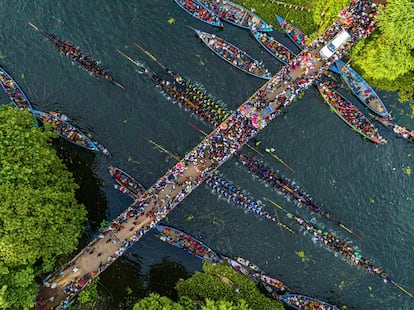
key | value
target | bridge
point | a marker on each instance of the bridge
(254, 114)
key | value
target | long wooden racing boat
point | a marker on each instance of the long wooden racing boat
(234, 55)
(276, 49)
(84, 60)
(349, 113)
(126, 183)
(66, 130)
(187, 243)
(400, 131)
(14, 92)
(302, 302)
(294, 33)
(236, 14)
(200, 11)
(361, 89)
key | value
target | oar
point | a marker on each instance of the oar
(129, 58)
(280, 160)
(172, 155)
(119, 85)
(150, 56)
(401, 288)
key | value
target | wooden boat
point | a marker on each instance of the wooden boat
(276, 49)
(187, 243)
(200, 11)
(83, 59)
(237, 15)
(67, 131)
(126, 184)
(240, 268)
(362, 90)
(248, 264)
(234, 55)
(301, 302)
(14, 92)
(294, 33)
(349, 113)
(400, 131)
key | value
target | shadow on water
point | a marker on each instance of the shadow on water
(163, 276)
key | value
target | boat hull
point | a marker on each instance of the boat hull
(294, 33)
(362, 90)
(67, 131)
(300, 302)
(276, 49)
(233, 55)
(199, 12)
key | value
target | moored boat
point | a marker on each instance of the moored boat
(349, 113)
(14, 92)
(234, 55)
(237, 15)
(67, 131)
(200, 11)
(294, 33)
(361, 89)
(126, 183)
(248, 264)
(187, 243)
(401, 131)
(276, 49)
(84, 60)
(302, 302)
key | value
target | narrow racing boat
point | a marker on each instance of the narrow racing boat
(234, 55)
(84, 60)
(302, 302)
(294, 33)
(237, 15)
(200, 11)
(14, 92)
(126, 184)
(66, 130)
(362, 90)
(349, 113)
(276, 49)
(187, 243)
(400, 131)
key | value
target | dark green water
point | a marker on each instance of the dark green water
(365, 186)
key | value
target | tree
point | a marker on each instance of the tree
(39, 215)
(224, 305)
(387, 59)
(157, 302)
(325, 12)
(207, 285)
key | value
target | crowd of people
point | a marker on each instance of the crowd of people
(343, 248)
(349, 112)
(14, 92)
(202, 161)
(187, 243)
(275, 48)
(307, 303)
(125, 183)
(74, 54)
(236, 14)
(233, 55)
(200, 12)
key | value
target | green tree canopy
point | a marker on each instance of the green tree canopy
(39, 215)
(206, 285)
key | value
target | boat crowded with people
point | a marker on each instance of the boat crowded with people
(362, 89)
(187, 243)
(234, 55)
(349, 113)
(400, 131)
(200, 11)
(236, 14)
(302, 302)
(14, 92)
(84, 60)
(125, 183)
(276, 49)
(66, 130)
(293, 32)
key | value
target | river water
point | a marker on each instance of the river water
(363, 185)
